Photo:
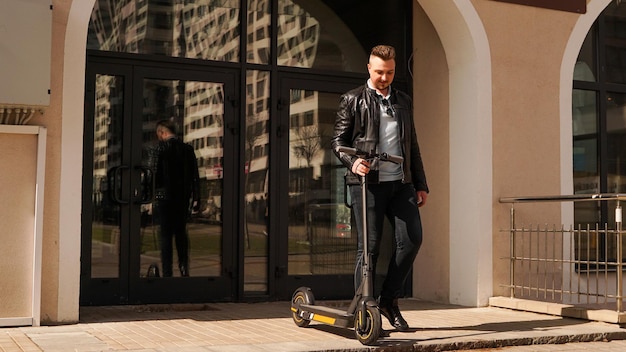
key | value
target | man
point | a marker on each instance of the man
(176, 183)
(378, 118)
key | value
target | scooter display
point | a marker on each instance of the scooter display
(363, 313)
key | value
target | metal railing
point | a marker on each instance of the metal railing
(578, 265)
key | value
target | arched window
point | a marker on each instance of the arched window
(599, 112)
(254, 86)
(599, 126)
(319, 34)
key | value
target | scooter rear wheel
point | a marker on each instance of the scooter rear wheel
(367, 327)
(303, 295)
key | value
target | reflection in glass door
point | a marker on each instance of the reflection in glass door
(122, 236)
(198, 109)
(257, 177)
(320, 232)
(107, 176)
(320, 246)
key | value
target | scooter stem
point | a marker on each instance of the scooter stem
(367, 279)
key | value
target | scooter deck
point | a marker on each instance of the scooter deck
(326, 315)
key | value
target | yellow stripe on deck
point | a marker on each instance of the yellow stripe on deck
(324, 319)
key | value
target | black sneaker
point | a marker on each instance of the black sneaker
(389, 308)
(184, 270)
(153, 271)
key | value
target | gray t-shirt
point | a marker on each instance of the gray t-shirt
(388, 139)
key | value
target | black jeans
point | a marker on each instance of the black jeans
(173, 218)
(398, 202)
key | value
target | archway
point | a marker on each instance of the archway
(71, 151)
(470, 171)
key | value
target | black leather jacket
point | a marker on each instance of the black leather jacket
(357, 126)
(176, 172)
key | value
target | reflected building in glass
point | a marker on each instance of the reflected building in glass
(210, 30)
(198, 29)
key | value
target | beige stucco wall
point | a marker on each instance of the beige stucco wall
(465, 162)
(521, 148)
(527, 46)
(430, 79)
(63, 119)
(52, 119)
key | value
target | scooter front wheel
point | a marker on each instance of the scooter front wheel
(367, 325)
(303, 295)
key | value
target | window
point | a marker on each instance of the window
(296, 95)
(294, 121)
(260, 33)
(308, 118)
(598, 126)
(598, 99)
(305, 41)
(212, 32)
(260, 88)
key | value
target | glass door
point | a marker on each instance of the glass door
(127, 257)
(319, 249)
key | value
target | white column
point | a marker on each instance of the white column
(469, 63)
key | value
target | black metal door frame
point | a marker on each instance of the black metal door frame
(283, 284)
(128, 287)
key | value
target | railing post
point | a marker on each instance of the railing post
(512, 249)
(618, 226)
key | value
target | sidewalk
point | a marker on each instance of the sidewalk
(243, 327)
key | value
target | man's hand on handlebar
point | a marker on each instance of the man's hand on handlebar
(361, 167)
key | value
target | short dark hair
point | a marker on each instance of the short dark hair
(385, 52)
(169, 124)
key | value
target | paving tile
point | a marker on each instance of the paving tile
(268, 326)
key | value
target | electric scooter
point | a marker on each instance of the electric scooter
(363, 313)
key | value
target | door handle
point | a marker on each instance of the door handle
(114, 181)
(146, 184)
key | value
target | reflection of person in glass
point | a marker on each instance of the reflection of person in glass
(176, 184)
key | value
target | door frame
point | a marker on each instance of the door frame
(284, 284)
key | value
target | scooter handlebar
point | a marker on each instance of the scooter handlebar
(393, 158)
(365, 155)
